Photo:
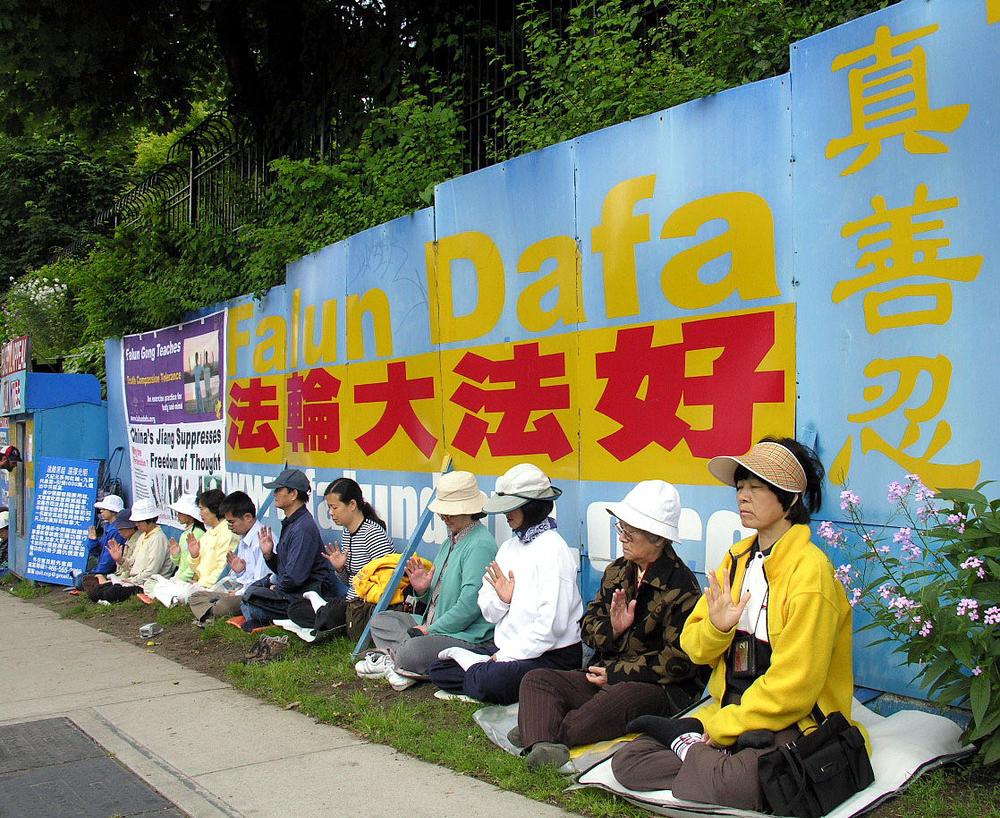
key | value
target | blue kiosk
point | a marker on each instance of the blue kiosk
(63, 416)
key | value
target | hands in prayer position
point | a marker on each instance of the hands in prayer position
(622, 613)
(266, 541)
(337, 556)
(194, 547)
(236, 564)
(420, 576)
(722, 611)
(503, 585)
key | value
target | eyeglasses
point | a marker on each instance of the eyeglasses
(626, 534)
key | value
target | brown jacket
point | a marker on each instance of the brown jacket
(649, 651)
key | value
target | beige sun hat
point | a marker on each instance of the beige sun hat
(770, 461)
(458, 493)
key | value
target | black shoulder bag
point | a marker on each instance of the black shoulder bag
(812, 775)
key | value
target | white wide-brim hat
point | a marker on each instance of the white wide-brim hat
(110, 502)
(144, 510)
(653, 506)
(519, 485)
(4, 519)
(458, 493)
(186, 504)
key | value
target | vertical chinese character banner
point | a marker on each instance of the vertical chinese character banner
(65, 493)
(687, 342)
(173, 380)
(896, 245)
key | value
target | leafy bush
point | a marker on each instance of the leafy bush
(934, 589)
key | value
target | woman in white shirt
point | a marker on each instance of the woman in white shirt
(529, 593)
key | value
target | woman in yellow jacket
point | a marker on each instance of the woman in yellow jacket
(775, 626)
(208, 553)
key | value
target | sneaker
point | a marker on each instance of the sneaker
(547, 754)
(375, 665)
(444, 695)
(398, 682)
(514, 737)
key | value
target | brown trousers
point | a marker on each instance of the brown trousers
(707, 774)
(217, 604)
(563, 707)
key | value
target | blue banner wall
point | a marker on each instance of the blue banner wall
(810, 255)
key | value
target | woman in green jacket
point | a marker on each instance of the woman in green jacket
(450, 590)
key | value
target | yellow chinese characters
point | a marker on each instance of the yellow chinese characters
(889, 98)
(894, 246)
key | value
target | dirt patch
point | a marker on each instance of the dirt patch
(183, 642)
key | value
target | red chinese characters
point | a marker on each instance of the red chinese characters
(732, 389)
(253, 410)
(397, 392)
(517, 404)
(313, 414)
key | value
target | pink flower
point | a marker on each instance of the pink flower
(992, 616)
(977, 671)
(969, 608)
(957, 520)
(926, 628)
(885, 591)
(829, 532)
(843, 573)
(902, 605)
(855, 597)
(975, 562)
(897, 491)
(849, 500)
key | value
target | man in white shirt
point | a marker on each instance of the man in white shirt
(246, 563)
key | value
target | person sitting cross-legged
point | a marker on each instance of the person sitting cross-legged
(246, 563)
(529, 593)
(774, 624)
(634, 625)
(207, 555)
(146, 553)
(108, 508)
(296, 563)
(449, 590)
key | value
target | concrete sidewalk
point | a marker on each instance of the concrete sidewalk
(249, 759)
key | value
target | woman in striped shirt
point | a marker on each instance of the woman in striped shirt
(364, 539)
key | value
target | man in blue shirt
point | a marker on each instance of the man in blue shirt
(296, 561)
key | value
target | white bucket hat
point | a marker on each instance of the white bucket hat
(521, 484)
(110, 502)
(144, 510)
(458, 493)
(185, 504)
(653, 506)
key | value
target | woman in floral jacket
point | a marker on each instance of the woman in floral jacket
(634, 625)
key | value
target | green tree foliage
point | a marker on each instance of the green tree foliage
(50, 191)
(606, 63)
(151, 273)
(615, 60)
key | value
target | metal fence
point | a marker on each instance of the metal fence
(216, 174)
